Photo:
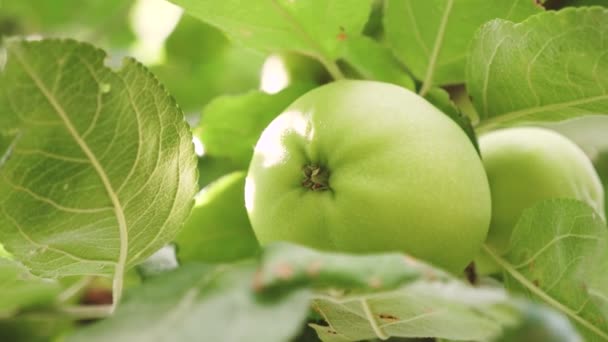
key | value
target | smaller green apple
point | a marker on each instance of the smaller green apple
(526, 165)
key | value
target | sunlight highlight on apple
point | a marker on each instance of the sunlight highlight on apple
(271, 146)
(249, 193)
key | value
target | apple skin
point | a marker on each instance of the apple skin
(400, 176)
(526, 165)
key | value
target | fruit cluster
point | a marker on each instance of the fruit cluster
(363, 166)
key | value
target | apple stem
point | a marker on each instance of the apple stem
(316, 178)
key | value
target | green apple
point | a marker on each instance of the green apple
(363, 166)
(526, 165)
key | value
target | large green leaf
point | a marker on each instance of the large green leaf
(550, 67)
(202, 303)
(431, 37)
(285, 265)
(316, 27)
(364, 297)
(21, 289)
(218, 228)
(423, 309)
(101, 171)
(557, 249)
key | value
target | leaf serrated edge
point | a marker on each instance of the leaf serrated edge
(542, 294)
(121, 265)
(485, 125)
(184, 125)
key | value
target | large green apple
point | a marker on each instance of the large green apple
(362, 166)
(526, 165)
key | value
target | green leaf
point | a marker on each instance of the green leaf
(441, 99)
(202, 64)
(102, 171)
(362, 297)
(550, 67)
(287, 265)
(231, 125)
(316, 28)
(431, 37)
(218, 228)
(374, 61)
(425, 308)
(555, 251)
(21, 289)
(202, 303)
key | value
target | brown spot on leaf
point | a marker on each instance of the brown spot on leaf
(388, 317)
(536, 282)
(314, 268)
(284, 271)
(331, 331)
(375, 283)
(342, 36)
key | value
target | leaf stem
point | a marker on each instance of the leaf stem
(332, 68)
(428, 78)
(372, 320)
(542, 294)
(87, 312)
